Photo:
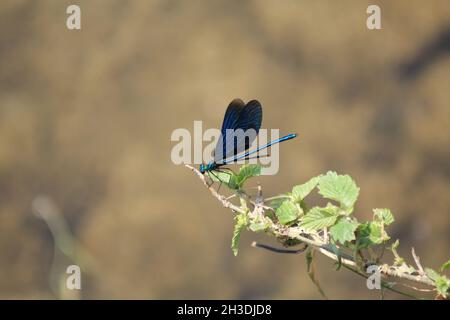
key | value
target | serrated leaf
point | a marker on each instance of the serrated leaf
(287, 212)
(319, 218)
(384, 215)
(236, 181)
(376, 233)
(233, 183)
(433, 275)
(344, 230)
(247, 172)
(445, 265)
(340, 188)
(276, 203)
(300, 192)
(241, 222)
(371, 233)
(228, 178)
(219, 176)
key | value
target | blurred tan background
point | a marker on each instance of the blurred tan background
(86, 118)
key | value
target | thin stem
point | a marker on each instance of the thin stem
(417, 261)
(278, 250)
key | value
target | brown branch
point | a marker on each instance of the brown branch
(310, 238)
(417, 261)
(222, 199)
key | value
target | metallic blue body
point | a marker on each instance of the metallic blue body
(214, 165)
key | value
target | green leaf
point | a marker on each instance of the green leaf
(258, 226)
(228, 178)
(384, 215)
(441, 282)
(241, 222)
(301, 191)
(433, 275)
(344, 230)
(287, 212)
(233, 183)
(319, 218)
(246, 172)
(370, 233)
(220, 176)
(249, 170)
(276, 203)
(340, 188)
(445, 266)
(442, 286)
(236, 181)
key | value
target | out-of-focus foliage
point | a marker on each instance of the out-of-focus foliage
(86, 118)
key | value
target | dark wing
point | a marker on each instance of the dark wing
(247, 118)
(251, 116)
(230, 120)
